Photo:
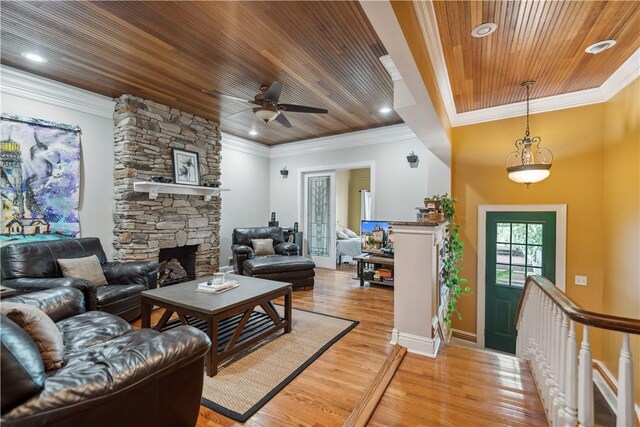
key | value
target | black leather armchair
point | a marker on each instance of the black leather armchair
(112, 375)
(31, 267)
(242, 248)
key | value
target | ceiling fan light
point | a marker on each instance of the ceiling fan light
(266, 114)
(529, 174)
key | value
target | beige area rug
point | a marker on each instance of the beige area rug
(248, 380)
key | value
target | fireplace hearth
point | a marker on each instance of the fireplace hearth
(177, 265)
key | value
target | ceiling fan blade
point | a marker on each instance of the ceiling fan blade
(216, 94)
(283, 120)
(238, 112)
(291, 108)
(274, 91)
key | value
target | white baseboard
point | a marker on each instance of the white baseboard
(416, 344)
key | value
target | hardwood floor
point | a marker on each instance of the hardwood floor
(462, 386)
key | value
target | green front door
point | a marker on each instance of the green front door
(519, 244)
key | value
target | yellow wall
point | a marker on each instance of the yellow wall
(408, 20)
(622, 220)
(478, 177)
(359, 179)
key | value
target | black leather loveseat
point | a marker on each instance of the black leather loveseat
(284, 265)
(112, 375)
(30, 267)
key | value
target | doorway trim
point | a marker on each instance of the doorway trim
(371, 164)
(561, 253)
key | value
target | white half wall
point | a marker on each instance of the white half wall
(397, 188)
(245, 170)
(28, 95)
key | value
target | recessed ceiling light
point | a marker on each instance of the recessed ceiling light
(253, 132)
(385, 110)
(34, 57)
(600, 46)
(484, 30)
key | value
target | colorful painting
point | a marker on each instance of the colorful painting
(39, 180)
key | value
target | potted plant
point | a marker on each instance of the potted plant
(451, 266)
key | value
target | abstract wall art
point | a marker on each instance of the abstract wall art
(39, 180)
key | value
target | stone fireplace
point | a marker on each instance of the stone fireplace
(145, 133)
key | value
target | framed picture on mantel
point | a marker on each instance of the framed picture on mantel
(186, 167)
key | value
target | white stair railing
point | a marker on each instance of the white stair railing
(546, 324)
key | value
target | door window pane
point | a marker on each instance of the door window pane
(518, 254)
(534, 234)
(534, 270)
(318, 229)
(519, 233)
(502, 274)
(534, 255)
(518, 275)
(504, 233)
(502, 253)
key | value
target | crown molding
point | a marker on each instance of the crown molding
(391, 68)
(36, 88)
(243, 145)
(385, 134)
(623, 76)
(626, 74)
(431, 35)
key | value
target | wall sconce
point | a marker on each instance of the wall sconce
(413, 160)
(284, 172)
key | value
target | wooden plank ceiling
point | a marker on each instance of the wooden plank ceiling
(535, 40)
(325, 53)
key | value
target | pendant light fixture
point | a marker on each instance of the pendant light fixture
(527, 165)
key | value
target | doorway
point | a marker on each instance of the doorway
(519, 244)
(484, 266)
(327, 203)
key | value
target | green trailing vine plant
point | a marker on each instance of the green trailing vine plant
(452, 263)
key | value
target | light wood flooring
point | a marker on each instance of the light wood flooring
(463, 386)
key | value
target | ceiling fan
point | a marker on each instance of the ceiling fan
(266, 106)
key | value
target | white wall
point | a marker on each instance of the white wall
(397, 188)
(18, 96)
(245, 171)
(342, 197)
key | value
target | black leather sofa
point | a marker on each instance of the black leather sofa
(30, 267)
(112, 375)
(284, 266)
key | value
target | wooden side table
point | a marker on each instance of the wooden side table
(375, 262)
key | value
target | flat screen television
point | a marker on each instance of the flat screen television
(376, 237)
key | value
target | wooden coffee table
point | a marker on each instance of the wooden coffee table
(229, 318)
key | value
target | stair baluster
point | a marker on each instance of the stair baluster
(585, 382)
(625, 385)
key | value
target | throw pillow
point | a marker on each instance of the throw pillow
(41, 329)
(341, 235)
(263, 246)
(350, 233)
(87, 268)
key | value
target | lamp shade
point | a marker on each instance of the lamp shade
(529, 174)
(266, 114)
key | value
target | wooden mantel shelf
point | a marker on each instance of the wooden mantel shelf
(155, 188)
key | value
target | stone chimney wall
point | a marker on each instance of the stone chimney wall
(145, 133)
